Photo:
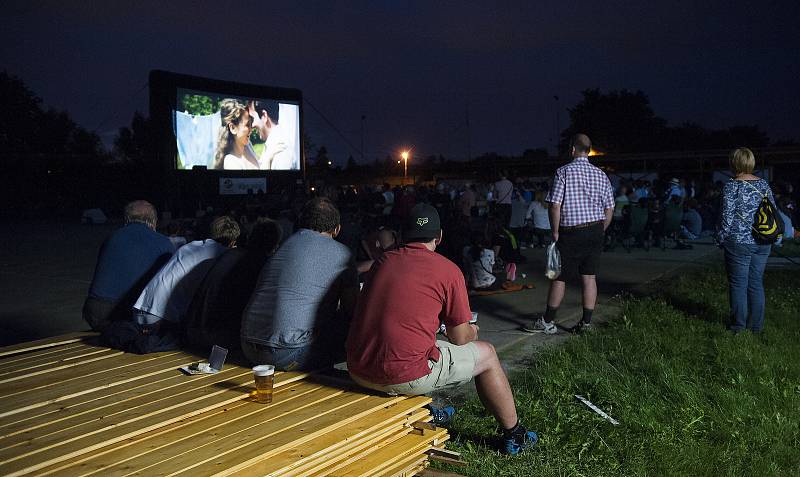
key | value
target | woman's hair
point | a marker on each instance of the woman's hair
(224, 230)
(742, 161)
(230, 112)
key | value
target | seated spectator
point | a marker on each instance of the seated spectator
(215, 315)
(692, 223)
(504, 243)
(298, 315)
(392, 345)
(383, 240)
(128, 259)
(481, 260)
(165, 300)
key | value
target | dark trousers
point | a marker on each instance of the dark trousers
(99, 313)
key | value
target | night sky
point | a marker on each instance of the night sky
(414, 69)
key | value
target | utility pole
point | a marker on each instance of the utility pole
(363, 118)
(469, 136)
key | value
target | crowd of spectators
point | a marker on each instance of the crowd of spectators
(280, 285)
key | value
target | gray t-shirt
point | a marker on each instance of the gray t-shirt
(298, 290)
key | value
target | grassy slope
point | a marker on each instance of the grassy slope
(692, 399)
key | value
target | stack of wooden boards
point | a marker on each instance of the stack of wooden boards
(70, 407)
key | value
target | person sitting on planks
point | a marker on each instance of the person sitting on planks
(163, 303)
(392, 345)
(215, 315)
(127, 260)
(298, 316)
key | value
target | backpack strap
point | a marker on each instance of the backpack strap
(762, 194)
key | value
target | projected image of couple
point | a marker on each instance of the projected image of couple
(235, 151)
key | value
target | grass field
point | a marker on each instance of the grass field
(691, 398)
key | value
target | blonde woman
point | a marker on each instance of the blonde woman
(233, 147)
(745, 260)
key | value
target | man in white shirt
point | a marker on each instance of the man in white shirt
(168, 294)
(503, 189)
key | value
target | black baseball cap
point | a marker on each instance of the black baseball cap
(422, 222)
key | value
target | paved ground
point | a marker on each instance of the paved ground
(45, 269)
(500, 316)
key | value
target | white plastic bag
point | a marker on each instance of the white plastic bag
(553, 269)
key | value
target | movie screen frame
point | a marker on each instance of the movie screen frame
(184, 105)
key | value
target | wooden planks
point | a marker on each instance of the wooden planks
(45, 343)
(70, 408)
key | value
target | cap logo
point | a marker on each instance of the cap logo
(422, 221)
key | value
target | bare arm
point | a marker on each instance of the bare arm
(555, 219)
(462, 334)
(609, 216)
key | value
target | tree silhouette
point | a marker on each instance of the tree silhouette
(620, 121)
(25, 127)
(623, 122)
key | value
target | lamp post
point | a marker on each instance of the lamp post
(404, 155)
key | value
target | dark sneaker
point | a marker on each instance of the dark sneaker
(442, 415)
(582, 327)
(517, 444)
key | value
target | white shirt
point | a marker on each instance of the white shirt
(171, 290)
(502, 191)
(538, 212)
(282, 147)
(232, 162)
(482, 270)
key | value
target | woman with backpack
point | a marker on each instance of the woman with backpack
(745, 243)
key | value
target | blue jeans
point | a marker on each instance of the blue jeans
(745, 265)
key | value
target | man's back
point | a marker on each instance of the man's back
(583, 191)
(170, 292)
(215, 313)
(297, 290)
(393, 333)
(127, 260)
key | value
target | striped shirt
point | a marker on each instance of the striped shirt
(583, 191)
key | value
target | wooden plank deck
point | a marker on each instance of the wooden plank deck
(70, 407)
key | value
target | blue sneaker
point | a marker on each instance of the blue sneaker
(517, 444)
(442, 415)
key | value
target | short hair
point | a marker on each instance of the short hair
(581, 143)
(265, 236)
(142, 212)
(319, 214)
(224, 230)
(742, 161)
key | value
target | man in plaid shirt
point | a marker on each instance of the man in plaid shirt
(581, 208)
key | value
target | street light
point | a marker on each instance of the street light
(404, 155)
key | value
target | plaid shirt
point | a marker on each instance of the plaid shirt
(583, 191)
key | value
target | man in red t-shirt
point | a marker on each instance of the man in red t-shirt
(392, 345)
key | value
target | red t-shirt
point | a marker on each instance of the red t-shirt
(393, 333)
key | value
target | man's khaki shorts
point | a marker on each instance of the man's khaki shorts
(454, 368)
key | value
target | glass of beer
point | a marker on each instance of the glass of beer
(264, 375)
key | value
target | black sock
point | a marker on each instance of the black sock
(550, 314)
(587, 315)
(517, 430)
